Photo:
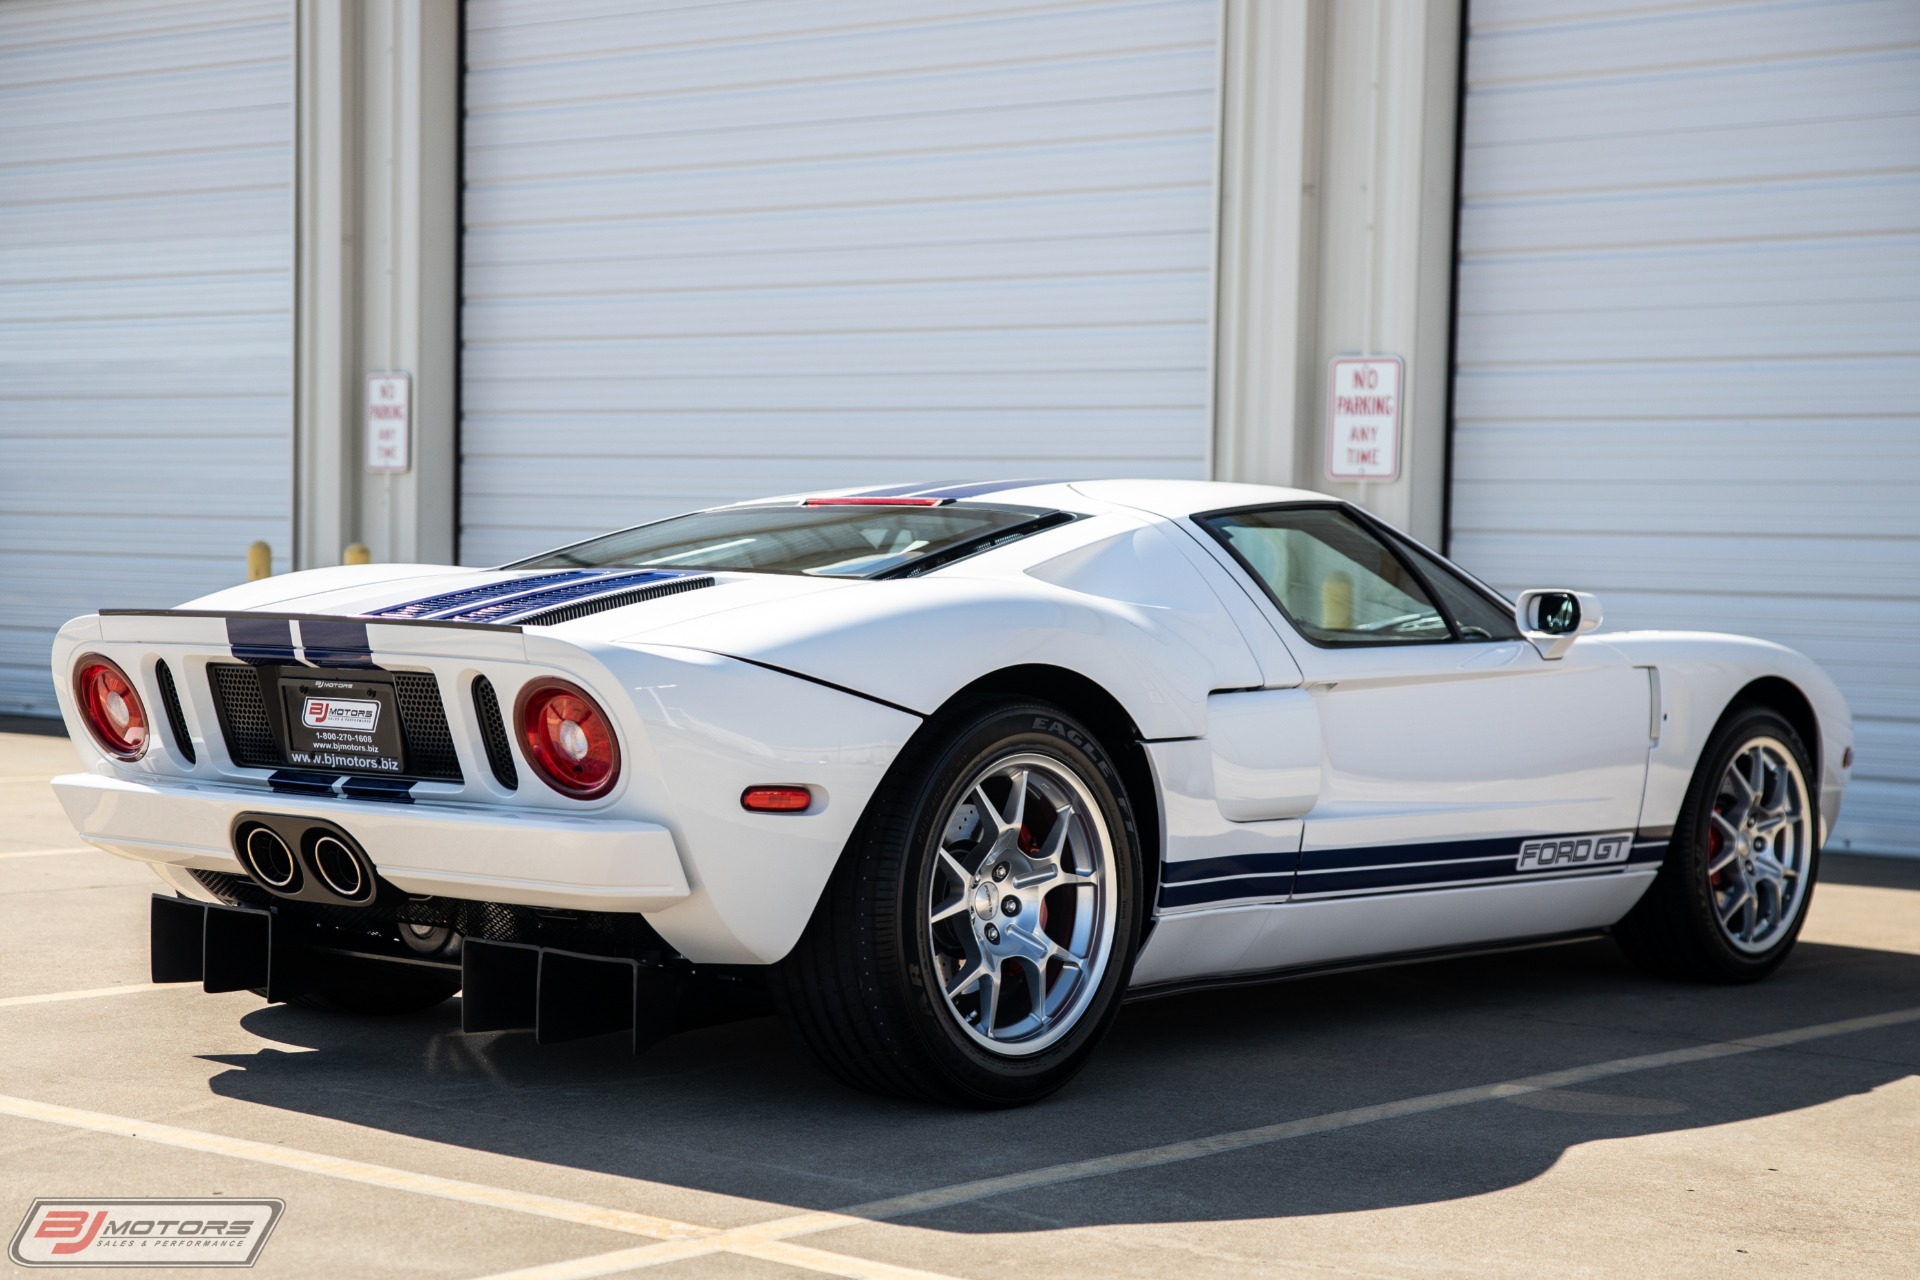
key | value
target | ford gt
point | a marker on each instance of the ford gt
(941, 773)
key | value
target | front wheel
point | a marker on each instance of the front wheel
(1728, 903)
(975, 939)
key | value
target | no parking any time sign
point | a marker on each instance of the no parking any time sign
(1363, 418)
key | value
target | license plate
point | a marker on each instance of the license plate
(349, 726)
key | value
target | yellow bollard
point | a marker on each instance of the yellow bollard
(356, 553)
(259, 562)
(1336, 602)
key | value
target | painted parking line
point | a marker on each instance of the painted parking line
(743, 1239)
(375, 1175)
(95, 993)
(47, 853)
(675, 1237)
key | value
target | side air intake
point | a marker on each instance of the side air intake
(493, 729)
(176, 718)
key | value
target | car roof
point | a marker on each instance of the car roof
(1168, 498)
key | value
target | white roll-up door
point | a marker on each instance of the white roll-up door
(719, 251)
(1689, 335)
(146, 238)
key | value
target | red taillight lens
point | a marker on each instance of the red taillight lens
(113, 711)
(568, 739)
(776, 799)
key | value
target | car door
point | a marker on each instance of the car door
(1453, 753)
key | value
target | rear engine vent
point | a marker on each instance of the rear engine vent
(239, 695)
(423, 718)
(619, 599)
(243, 714)
(494, 730)
(176, 718)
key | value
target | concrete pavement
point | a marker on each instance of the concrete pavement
(1368, 1142)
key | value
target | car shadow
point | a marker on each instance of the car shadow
(741, 1110)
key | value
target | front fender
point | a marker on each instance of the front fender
(1700, 674)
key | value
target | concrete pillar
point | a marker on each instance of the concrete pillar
(1336, 234)
(377, 231)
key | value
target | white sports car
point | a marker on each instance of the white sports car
(944, 772)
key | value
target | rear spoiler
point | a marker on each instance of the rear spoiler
(317, 639)
(360, 618)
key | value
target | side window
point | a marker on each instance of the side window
(1477, 617)
(1336, 582)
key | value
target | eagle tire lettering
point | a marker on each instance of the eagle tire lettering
(1559, 853)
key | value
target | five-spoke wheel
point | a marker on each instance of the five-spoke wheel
(1019, 917)
(1727, 903)
(1758, 842)
(976, 937)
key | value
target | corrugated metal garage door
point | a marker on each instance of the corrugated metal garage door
(717, 251)
(146, 240)
(1689, 335)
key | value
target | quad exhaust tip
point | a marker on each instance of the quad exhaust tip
(268, 859)
(304, 860)
(339, 868)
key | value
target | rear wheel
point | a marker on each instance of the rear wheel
(974, 941)
(1728, 904)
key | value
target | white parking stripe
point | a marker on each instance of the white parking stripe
(747, 1239)
(680, 1239)
(94, 993)
(47, 853)
(587, 1215)
(772, 1240)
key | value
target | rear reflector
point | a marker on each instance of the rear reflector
(775, 799)
(876, 502)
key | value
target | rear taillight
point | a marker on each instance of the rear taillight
(567, 739)
(113, 711)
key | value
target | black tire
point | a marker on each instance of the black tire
(855, 987)
(396, 990)
(1674, 929)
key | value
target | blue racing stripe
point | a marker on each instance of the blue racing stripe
(302, 783)
(338, 642)
(1381, 869)
(396, 790)
(1244, 864)
(1190, 895)
(982, 488)
(261, 641)
(452, 602)
(1646, 851)
(1432, 873)
(890, 491)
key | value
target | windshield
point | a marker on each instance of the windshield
(826, 540)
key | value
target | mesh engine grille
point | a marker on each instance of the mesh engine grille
(424, 721)
(243, 714)
(486, 705)
(240, 696)
(619, 599)
(176, 718)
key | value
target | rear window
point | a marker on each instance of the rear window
(822, 541)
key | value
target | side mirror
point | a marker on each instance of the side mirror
(1553, 620)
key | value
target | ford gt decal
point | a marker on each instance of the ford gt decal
(1574, 851)
(1368, 870)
